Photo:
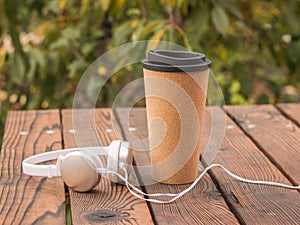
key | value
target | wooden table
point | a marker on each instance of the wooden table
(261, 142)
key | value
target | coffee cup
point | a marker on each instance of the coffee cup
(175, 90)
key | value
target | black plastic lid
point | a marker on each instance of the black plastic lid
(175, 61)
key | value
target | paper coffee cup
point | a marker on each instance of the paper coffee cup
(175, 87)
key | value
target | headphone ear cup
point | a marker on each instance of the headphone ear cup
(113, 160)
(79, 170)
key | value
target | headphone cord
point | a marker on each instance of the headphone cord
(135, 191)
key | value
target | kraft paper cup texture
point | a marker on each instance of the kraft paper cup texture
(190, 94)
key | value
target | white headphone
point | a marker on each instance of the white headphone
(80, 168)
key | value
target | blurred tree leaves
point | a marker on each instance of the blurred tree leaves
(47, 45)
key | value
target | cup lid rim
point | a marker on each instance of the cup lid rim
(175, 61)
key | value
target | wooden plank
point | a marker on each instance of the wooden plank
(25, 199)
(277, 136)
(254, 204)
(291, 110)
(203, 205)
(108, 202)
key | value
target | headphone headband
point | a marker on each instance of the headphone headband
(30, 167)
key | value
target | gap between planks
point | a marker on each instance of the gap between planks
(28, 133)
(256, 204)
(67, 193)
(291, 111)
(203, 205)
(108, 202)
(274, 205)
(257, 132)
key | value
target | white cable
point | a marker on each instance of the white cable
(254, 181)
(178, 195)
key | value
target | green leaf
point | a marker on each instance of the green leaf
(93, 86)
(32, 70)
(116, 8)
(54, 6)
(148, 29)
(220, 19)
(291, 18)
(18, 69)
(293, 52)
(71, 33)
(186, 42)
(33, 101)
(134, 12)
(54, 61)
(77, 67)
(84, 8)
(232, 6)
(263, 99)
(156, 37)
(59, 43)
(237, 99)
(122, 32)
(38, 56)
(87, 48)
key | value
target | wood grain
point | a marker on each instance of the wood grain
(25, 199)
(254, 204)
(203, 205)
(291, 110)
(277, 136)
(108, 203)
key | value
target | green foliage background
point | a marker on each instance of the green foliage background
(45, 46)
